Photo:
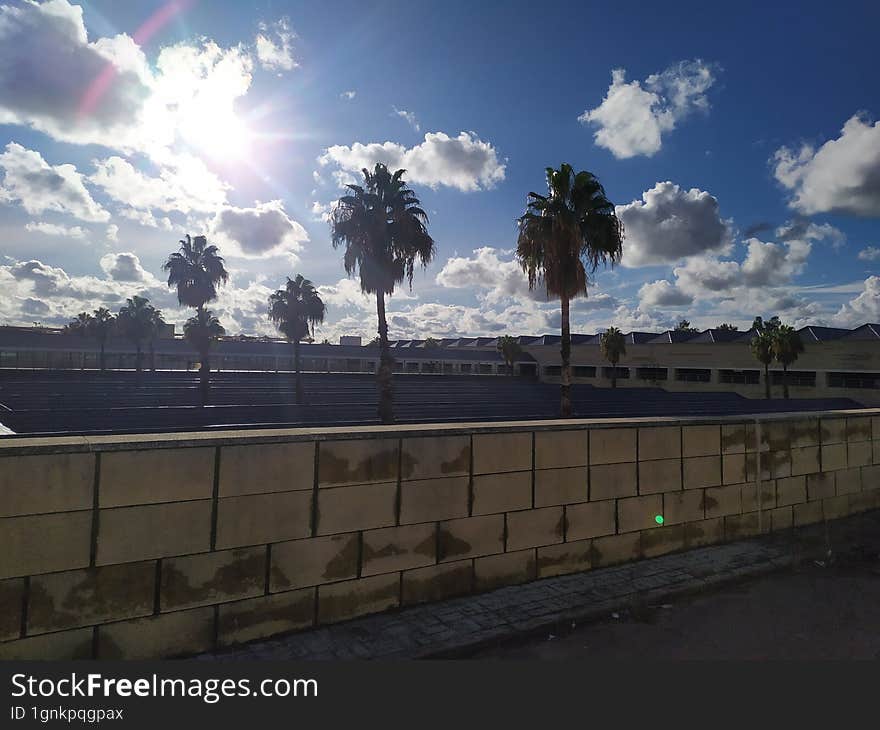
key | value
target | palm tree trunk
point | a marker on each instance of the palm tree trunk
(205, 375)
(565, 352)
(152, 356)
(137, 362)
(613, 374)
(299, 385)
(785, 380)
(767, 381)
(101, 359)
(386, 394)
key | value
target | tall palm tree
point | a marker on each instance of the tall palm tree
(295, 310)
(135, 322)
(762, 346)
(103, 323)
(80, 325)
(613, 346)
(787, 345)
(196, 270)
(384, 231)
(200, 331)
(157, 322)
(563, 237)
(510, 350)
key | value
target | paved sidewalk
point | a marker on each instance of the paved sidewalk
(463, 625)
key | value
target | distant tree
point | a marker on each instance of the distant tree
(727, 327)
(787, 345)
(157, 322)
(771, 324)
(385, 232)
(613, 346)
(80, 325)
(103, 323)
(685, 326)
(201, 331)
(295, 310)
(510, 350)
(196, 270)
(136, 323)
(325, 341)
(563, 237)
(432, 343)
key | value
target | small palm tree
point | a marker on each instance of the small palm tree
(196, 270)
(201, 331)
(103, 323)
(384, 231)
(563, 237)
(432, 343)
(727, 327)
(295, 310)
(157, 322)
(510, 350)
(762, 346)
(787, 345)
(80, 325)
(135, 321)
(613, 347)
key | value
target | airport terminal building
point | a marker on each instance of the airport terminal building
(835, 362)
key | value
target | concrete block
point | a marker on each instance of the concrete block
(390, 549)
(565, 558)
(59, 646)
(302, 563)
(720, 501)
(435, 456)
(662, 442)
(733, 468)
(776, 435)
(26, 550)
(780, 463)
(805, 460)
(859, 453)
(639, 513)
(265, 616)
(350, 598)
(615, 549)
(359, 507)
(502, 452)
(781, 518)
(667, 539)
(90, 596)
(11, 602)
(612, 480)
(750, 496)
(470, 537)
(592, 519)
(156, 475)
(733, 438)
(702, 471)
(686, 506)
(534, 527)
(858, 428)
(256, 519)
(612, 445)
(807, 513)
(766, 461)
(437, 582)
(42, 483)
(557, 449)
(805, 432)
(561, 486)
(202, 580)
(495, 493)
(256, 468)
(821, 485)
(429, 500)
(833, 430)
(870, 477)
(361, 461)
(158, 637)
(791, 490)
(834, 508)
(703, 532)
(848, 481)
(738, 527)
(495, 571)
(662, 475)
(701, 440)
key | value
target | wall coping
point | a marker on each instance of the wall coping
(22, 445)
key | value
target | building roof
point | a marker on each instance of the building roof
(822, 334)
(715, 336)
(865, 332)
(673, 337)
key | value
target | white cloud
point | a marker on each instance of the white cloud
(640, 320)
(409, 117)
(669, 224)
(863, 308)
(275, 46)
(869, 253)
(346, 293)
(113, 232)
(842, 176)
(805, 230)
(633, 118)
(492, 277)
(661, 293)
(348, 95)
(52, 229)
(261, 231)
(145, 218)
(464, 162)
(125, 267)
(38, 186)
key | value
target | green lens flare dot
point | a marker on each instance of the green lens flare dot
(658, 519)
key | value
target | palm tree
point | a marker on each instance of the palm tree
(510, 350)
(103, 323)
(613, 346)
(200, 331)
(432, 343)
(135, 322)
(727, 327)
(762, 349)
(295, 310)
(384, 231)
(196, 270)
(685, 326)
(157, 322)
(563, 237)
(787, 345)
(80, 325)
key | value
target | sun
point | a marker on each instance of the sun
(218, 132)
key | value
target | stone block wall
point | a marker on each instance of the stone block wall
(143, 547)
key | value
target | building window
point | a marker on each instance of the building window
(854, 380)
(584, 371)
(485, 369)
(412, 367)
(799, 378)
(740, 377)
(693, 375)
(622, 373)
(465, 367)
(553, 371)
(652, 373)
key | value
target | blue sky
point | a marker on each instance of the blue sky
(740, 144)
